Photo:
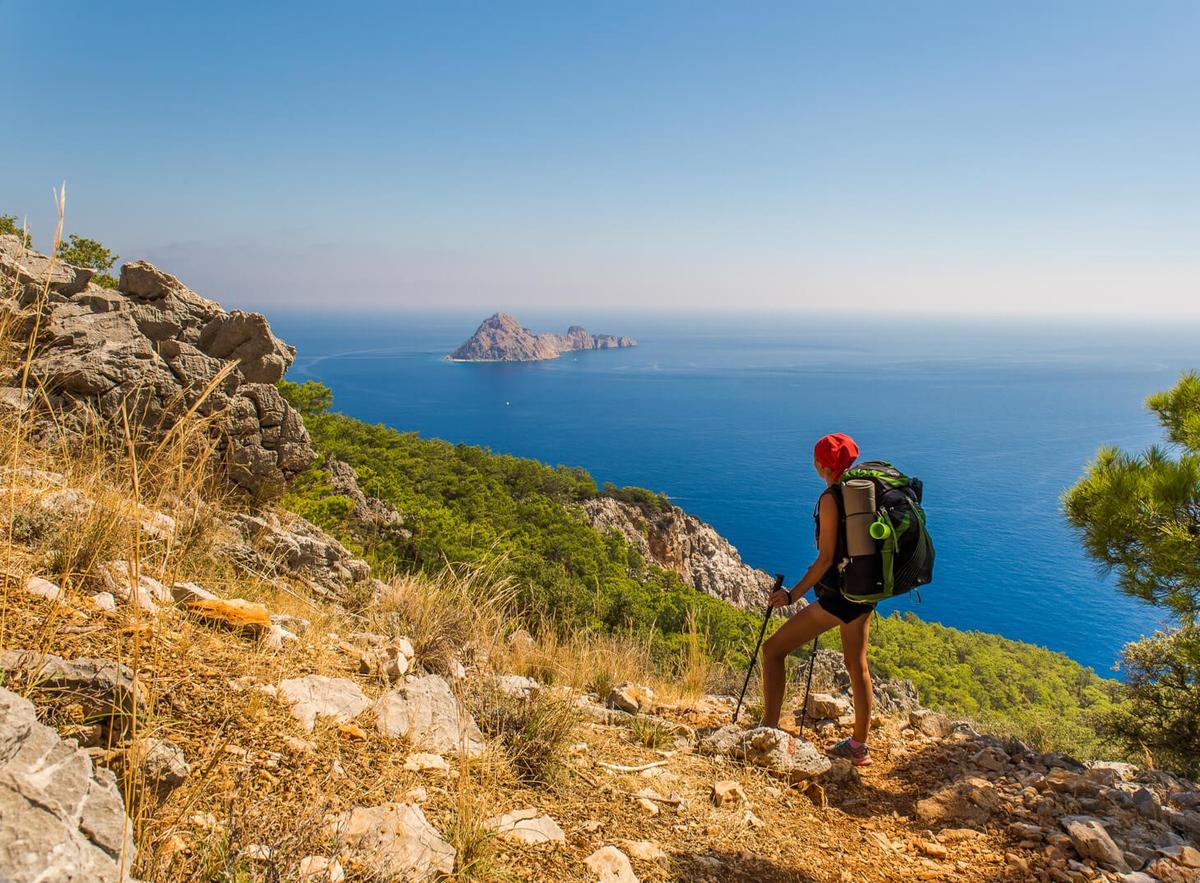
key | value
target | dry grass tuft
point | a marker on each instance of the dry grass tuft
(534, 732)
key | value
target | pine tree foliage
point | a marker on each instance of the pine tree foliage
(1139, 516)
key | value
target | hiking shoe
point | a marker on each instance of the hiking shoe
(859, 756)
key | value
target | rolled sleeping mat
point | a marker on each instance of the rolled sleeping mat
(858, 496)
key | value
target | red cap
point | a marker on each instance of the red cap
(835, 452)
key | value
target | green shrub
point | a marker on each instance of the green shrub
(80, 252)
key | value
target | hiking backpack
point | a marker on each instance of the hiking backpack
(905, 555)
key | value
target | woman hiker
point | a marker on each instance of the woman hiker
(832, 456)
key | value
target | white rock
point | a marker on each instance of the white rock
(610, 865)
(826, 705)
(422, 762)
(932, 723)
(42, 588)
(257, 852)
(104, 601)
(527, 826)
(61, 818)
(517, 686)
(319, 869)
(163, 764)
(316, 696)
(991, 759)
(276, 636)
(416, 795)
(647, 806)
(644, 850)
(424, 711)
(395, 840)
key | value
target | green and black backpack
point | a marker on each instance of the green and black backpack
(904, 558)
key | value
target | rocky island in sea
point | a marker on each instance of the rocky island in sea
(501, 338)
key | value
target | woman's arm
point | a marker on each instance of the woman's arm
(826, 550)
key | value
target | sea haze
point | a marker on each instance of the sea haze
(996, 417)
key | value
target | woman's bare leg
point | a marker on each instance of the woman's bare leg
(854, 651)
(796, 632)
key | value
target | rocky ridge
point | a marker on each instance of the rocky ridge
(683, 544)
(501, 338)
(157, 349)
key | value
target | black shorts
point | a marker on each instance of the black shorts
(833, 601)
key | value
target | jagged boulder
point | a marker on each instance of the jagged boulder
(395, 841)
(424, 711)
(777, 751)
(61, 818)
(155, 347)
(316, 696)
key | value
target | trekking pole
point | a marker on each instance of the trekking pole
(812, 657)
(761, 632)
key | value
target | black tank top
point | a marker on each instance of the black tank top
(831, 580)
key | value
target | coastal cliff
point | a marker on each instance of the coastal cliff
(501, 338)
(685, 545)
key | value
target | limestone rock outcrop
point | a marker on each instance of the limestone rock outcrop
(280, 543)
(682, 543)
(61, 818)
(501, 338)
(157, 348)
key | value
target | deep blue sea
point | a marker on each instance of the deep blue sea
(720, 412)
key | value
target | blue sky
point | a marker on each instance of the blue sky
(1008, 157)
